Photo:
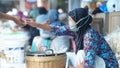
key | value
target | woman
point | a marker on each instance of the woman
(86, 38)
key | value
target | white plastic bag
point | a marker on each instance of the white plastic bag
(113, 5)
(60, 44)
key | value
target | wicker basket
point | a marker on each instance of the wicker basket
(58, 61)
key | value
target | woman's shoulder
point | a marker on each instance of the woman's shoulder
(92, 33)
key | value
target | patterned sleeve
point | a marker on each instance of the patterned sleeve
(62, 30)
(90, 48)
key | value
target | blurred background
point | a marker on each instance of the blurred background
(62, 5)
(105, 13)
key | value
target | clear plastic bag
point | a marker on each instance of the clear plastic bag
(60, 44)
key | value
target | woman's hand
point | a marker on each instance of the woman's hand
(42, 26)
(19, 22)
(31, 22)
(47, 22)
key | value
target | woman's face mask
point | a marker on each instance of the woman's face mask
(73, 25)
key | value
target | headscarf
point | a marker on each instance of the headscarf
(42, 10)
(76, 15)
(54, 20)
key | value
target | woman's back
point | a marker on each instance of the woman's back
(95, 43)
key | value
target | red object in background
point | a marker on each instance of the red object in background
(28, 5)
(31, 0)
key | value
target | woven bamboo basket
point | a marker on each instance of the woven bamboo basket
(58, 61)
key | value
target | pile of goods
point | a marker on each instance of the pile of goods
(12, 45)
(113, 40)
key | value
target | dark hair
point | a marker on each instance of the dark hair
(42, 10)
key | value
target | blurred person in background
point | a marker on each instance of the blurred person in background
(53, 16)
(42, 13)
(34, 12)
(63, 17)
(41, 41)
(86, 38)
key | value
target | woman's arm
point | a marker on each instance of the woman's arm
(8, 17)
(91, 43)
(42, 26)
(57, 30)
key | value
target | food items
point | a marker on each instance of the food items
(113, 40)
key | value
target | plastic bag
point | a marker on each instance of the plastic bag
(60, 44)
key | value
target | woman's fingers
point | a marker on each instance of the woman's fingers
(28, 19)
(30, 22)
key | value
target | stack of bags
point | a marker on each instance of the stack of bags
(113, 40)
